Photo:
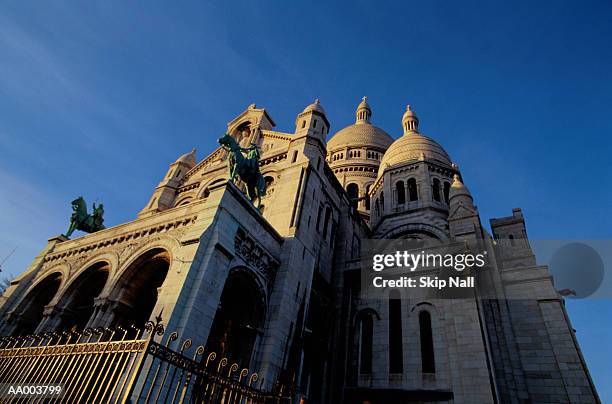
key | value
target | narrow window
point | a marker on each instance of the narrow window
(396, 361)
(303, 124)
(412, 190)
(367, 329)
(178, 173)
(294, 158)
(401, 192)
(377, 207)
(326, 223)
(319, 217)
(318, 163)
(436, 189)
(314, 125)
(427, 349)
(352, 191)
(367, 198)
(511, 237)
(332, 234)
(382, 202)
(446, 191)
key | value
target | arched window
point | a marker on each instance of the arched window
(367, 198)
(446, 191)
(412, 190)
(382, 202)
(428, 364)
(377, 207)
(365, 351)
(396, 361)
(352, 191)
(436, 189)
(401, 192)
(303, 124)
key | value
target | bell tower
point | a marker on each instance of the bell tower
(313, 122)
(163, 197)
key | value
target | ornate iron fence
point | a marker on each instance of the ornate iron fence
(106, 365)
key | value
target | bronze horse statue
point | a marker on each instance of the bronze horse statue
(81, 220)
(246, 168)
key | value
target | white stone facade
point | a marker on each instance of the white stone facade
(279, 290)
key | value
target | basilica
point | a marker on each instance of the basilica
(278, 288)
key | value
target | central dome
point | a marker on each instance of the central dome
(361, 133)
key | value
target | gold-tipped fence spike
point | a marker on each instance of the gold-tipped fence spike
(221, 364)
(211, 357)
(232, 369)
(199, 351)
(243, 373)
(186, 345)
(253, 379)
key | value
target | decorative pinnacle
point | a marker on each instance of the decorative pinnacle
(364, 98)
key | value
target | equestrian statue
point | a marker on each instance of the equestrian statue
(81, 220)
(245, 167)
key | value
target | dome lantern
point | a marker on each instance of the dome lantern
(363, 113)
(410, 122)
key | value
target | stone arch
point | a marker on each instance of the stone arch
(134, 291)
(184, 200)
(204, 189)
(109, 257)
(424, 306)
(29, 313)
(75, 301)
(240, 317)
(416, 230)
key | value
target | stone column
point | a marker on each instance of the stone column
(100, 312)
(52, 319)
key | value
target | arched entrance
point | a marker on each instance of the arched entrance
(29, 315)
(136, 293)
(238, 320)
(77, 304)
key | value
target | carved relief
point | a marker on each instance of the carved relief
(254, 255)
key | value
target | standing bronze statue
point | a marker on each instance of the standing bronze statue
(81, 220)
(247, 168)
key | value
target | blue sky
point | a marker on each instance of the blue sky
(97, 98)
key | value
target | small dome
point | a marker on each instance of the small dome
(414, 146)
(315, 106)
(188, 158)
(410, 122)
(458, 189)
(364, 112)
